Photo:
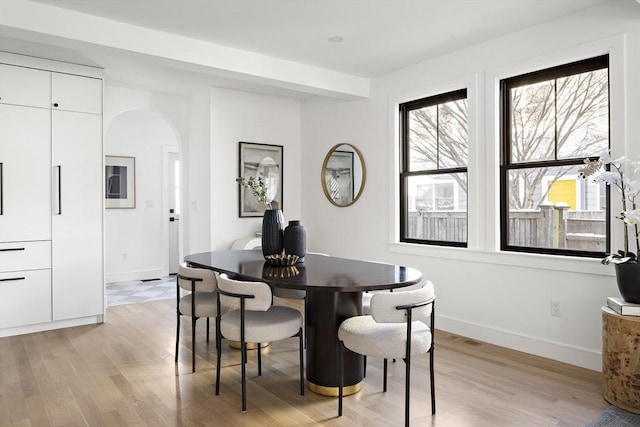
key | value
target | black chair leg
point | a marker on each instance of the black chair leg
(177, 336)
(301, 362)
(259, 359)
(407, 389)
(433, 386)
(341, 375)
(207, 329)
(384, 379)
(244, 376)
(364, 373)
(193, 343)
(218, 355)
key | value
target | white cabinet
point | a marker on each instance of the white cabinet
(25, 173)
(25, 86)
(25, 283)
(77, 221)
(51, 166)
(76, 93)
(25, 298)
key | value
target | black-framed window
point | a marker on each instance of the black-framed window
(551, 120)
(433, 173)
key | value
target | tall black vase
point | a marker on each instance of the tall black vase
(295, 240)
(272, 232)
(628, 277)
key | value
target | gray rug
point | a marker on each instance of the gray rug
(616, 417)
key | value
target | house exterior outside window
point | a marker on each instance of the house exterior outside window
(433, 178)
(551, 120)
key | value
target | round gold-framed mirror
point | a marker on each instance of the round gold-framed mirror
(343, 175)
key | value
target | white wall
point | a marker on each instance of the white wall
(197, 170)
(207, 126)
(240, 116)
(503, 298)
(143, 125)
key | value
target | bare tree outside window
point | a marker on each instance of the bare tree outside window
(552, 120)
(434, 176)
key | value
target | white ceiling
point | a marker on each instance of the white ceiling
(380, 36)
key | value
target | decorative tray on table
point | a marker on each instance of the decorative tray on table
(281, 260)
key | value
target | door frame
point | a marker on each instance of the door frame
(166, 150)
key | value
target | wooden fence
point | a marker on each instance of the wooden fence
(548, 227)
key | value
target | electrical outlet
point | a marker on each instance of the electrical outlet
(555, 308)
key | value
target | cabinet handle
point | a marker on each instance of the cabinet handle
(11, 279)
(1, 188)
(55, 104)
(59, 189)
(11, 249)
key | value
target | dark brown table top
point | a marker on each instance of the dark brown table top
(317, 273)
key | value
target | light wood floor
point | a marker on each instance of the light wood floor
(122, 373)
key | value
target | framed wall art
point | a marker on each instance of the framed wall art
(120, 182)
(260, 161)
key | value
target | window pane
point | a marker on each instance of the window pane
(453, 134)
(583, 114)
(437, 207)
(423, 138)
(554, 208)
(532, 122)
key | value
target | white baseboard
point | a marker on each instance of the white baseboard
(40, 327)
(136, 275)
(577, 356)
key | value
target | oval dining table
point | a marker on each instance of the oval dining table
(334, 288)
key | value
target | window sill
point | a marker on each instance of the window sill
(514, 259)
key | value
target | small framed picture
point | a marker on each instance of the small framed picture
(260, 161)
(120, 182)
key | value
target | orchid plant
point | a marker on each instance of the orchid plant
(630, 192)
(258, 187)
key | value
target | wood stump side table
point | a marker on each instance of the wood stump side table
(621, 360)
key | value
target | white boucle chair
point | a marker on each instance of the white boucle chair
(253, 318)
(394, 317)
(199, 302)
(366, 306)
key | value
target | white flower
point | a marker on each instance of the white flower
(611, 178)
(591, 167)
(632, 188)
(631, 217)
(630, 192)
(605, 157)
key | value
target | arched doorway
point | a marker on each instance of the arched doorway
(137, 239)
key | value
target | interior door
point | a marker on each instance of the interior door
(174, 212)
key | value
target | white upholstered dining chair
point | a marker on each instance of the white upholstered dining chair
(253, 318)
(199, 302)
(401, 325)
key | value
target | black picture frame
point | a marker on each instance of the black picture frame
(265, 161)
(120, 182)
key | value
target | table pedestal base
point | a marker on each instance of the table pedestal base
(237, 345)
(334, 391)
(325, 312)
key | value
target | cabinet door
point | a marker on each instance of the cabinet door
(25, 86)
(78, 279)
(25, 298)
(25, 173)
(76, 93)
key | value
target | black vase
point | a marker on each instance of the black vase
(295, 240)
(628, 277)
(272, 232)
